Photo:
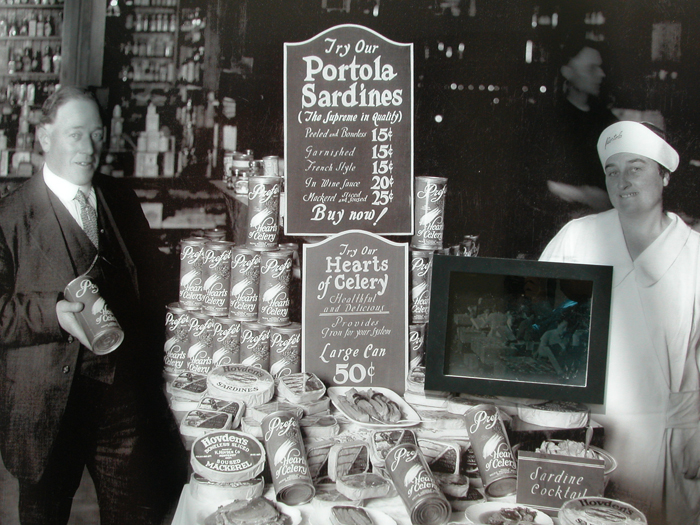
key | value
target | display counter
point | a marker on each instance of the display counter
(440, 432)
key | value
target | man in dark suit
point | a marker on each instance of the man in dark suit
(63, 407)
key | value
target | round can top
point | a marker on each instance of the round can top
(265, 179)
(428, 178)
(243, 249)
(291, 328)
(108, 341)
(175, 308)
(599, 511)
(197, 241)
(277, 254)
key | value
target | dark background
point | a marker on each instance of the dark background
(494, 113)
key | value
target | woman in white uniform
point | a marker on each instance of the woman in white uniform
(652, 401)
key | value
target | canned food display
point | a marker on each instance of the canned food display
(255, 345)
(287, 458)
(416, 345)
(285, 350)
(226, 341)
(216, 277)
(421, 277)
(263, 213)
(415, 484)
(191, 285)
(429, 219)
(200, 354)
(176, 335)
(245, 284)
(494, 456)
(273, 296)
(96, 319)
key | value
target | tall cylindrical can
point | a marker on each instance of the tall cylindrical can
(420, 493)
(487, 434)
(421, 278)
(429, 217)
(255, 345)
(285, 350)
(191, 286)
(226, 341)
(416, 345)
(216, 277)
(96, 319)
(176, 335)
(273, 299)
(271, 167)
(263, 213)
(287, 458)
(200, 355)
(245, 284)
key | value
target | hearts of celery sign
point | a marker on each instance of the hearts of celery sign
(355, 315)
(348, 133)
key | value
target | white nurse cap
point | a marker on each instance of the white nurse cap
(632, 137)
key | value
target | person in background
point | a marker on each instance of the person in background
(63, 407)
(561, 177)
(651, 414)
(584, 116)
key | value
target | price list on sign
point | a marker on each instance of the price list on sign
(348, 96)
(354, 312)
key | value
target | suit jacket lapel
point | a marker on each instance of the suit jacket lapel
(50, 238)
(107, 222)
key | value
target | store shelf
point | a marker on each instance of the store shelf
(31, 76)
(23, 38)
(22, 7)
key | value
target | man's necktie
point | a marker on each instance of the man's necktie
(89, 217)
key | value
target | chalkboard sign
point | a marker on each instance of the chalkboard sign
(547, 481)
(348, 124)
(354, 311)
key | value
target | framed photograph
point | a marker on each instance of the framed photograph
(518, 328)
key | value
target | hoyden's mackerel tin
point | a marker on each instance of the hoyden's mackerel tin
(96, 319)
(273, 298)
(263, 213)
(420, 493)
(429, 220)
(191, 286)
(245, 284)
(287, 458)
(599, 511)
(487, 434)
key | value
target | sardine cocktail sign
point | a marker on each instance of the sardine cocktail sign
(348, 95)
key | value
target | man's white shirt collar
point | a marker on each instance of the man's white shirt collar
(66, 192)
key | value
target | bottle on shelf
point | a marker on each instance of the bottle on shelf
(56, 60)
(46, 60)
(48, 26)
